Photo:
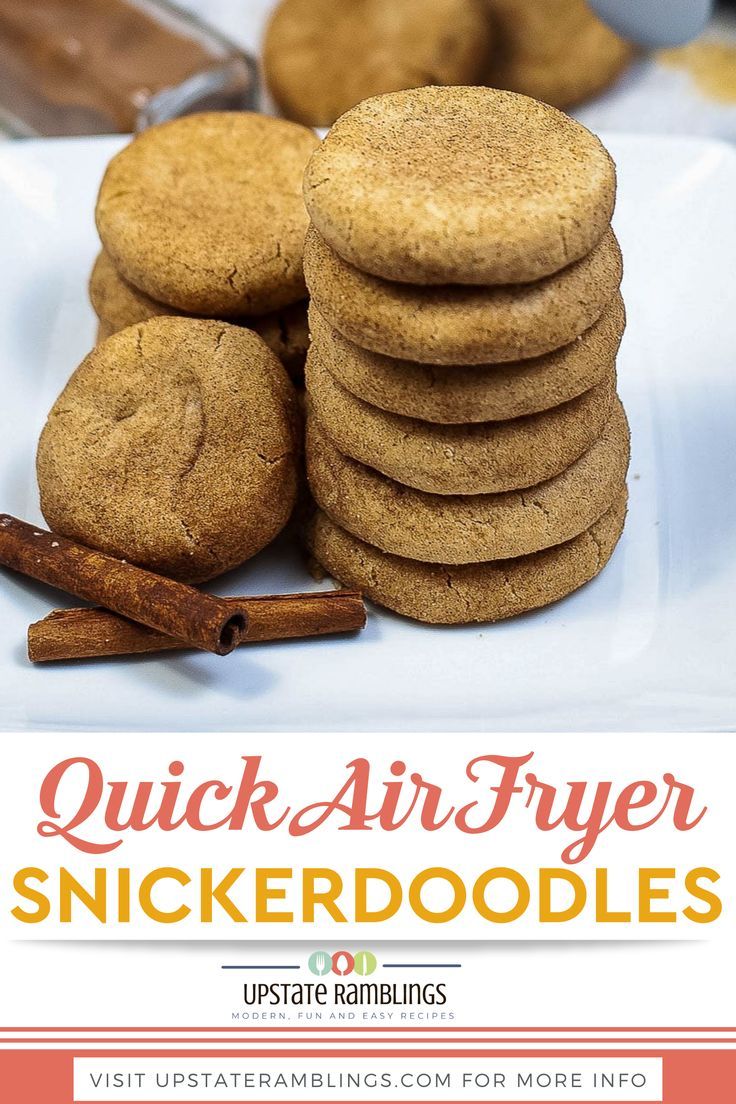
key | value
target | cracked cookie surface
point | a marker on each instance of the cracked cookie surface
(462, 325)
(462, 529)
(206, 214)
(173, 446)
(460, 185)
(322, 57)
(482, 458)
(118, 304)
(452, 595)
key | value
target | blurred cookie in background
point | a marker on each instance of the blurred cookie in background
(557, 51)
(321, 57)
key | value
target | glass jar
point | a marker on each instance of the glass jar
(105, 66)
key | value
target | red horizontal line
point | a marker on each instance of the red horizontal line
(533, 1040)
(283, 1030)
(330, 1052)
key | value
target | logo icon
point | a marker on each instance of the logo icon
(365, 963)
(320, 963)
(342, 963)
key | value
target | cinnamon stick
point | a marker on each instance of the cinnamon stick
(92, 633)
(172, 608)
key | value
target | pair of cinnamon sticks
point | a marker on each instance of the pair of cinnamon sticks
(139, 611)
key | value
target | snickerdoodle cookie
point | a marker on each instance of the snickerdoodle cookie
(462, 325)
(557, 51)
(481, 458)
(467, 528)
(454, 595)
(471, 393)
(205, 213)
(322, 57)
(460, 185)
(173, 446)
(118, 305)
(116, 302)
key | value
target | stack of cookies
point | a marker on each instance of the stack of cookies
(204, 217)
(466, 446)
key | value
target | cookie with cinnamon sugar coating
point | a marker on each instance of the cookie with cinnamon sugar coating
(467, 528)
(463, 393)
(443, 594)
(557, 51)
(459, 324)
(118, 304)
(321, 57)
(460, 186)
(173, 446)
(205, 213)
(482, 458)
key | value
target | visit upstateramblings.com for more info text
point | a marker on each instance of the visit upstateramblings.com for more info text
(530, 1080)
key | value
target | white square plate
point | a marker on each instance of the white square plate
(649, 645)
